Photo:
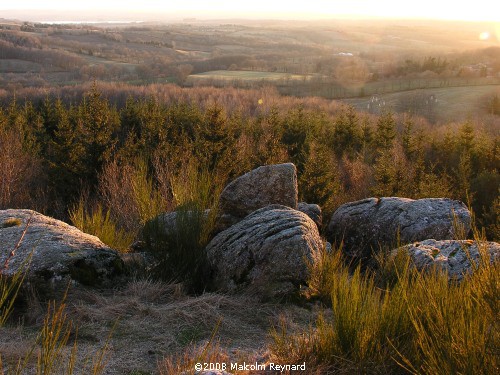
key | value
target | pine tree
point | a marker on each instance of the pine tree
(294, 137)
(385, 132)
(320, 182)
(347, 136)
(215, 138)
(65, 156)
(96, 123)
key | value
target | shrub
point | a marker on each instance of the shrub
(99, 223)
(21, 177)
(131, 194)
(407, 321)
(360, 338)
(179, 251)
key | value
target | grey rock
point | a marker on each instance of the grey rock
(266, 253)
(261, 187)
(365, 226)
(57, 253)
(313, 211)
(452, 256)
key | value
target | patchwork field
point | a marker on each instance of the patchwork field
(228, 75)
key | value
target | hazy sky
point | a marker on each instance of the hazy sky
(476, 10)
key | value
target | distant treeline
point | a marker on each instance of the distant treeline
(61, 145)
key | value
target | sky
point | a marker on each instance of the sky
(472, 10)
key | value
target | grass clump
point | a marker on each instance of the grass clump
(99, 223)
(9, 289)
(177, 242)
(366, 323)
(10, 285)
(400, 321)
(11, 222)
(50, 354)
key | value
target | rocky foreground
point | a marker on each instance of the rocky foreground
(262, 246)
(264, 239)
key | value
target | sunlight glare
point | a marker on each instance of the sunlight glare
(481, 10)
(484, 35)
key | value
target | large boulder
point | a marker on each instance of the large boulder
(266, 253)
(56, 253)
(367, 225)
(313, 211)
(453, 256)
(261, 187)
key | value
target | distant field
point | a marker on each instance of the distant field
(245, 75)
(18, 66)
(452, 103)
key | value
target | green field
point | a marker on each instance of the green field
(452, 103)
(245, 75)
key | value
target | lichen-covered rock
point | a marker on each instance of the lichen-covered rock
(313, 211)
(450, 255)
(57, 253)
(365, 226)
(261, 187)
(267, 252)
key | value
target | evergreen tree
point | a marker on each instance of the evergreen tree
(294, 137)
(65, 156)
(96, 122)
(320, 182)
(367, 141)
(215, 138)
(385, 132)
(347, 136)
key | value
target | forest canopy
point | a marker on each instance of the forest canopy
(97, 145)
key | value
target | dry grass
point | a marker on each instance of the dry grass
(12, 222)
(157, 328)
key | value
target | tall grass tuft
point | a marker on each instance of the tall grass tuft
(149, 200)
(133, 193)
(322, 273)
(402, 320)
(99, 223)
(360, 337)
(10, 286)
(179, 247)
(9, 289)
(456, 325)
(53, 338)
(51, 348)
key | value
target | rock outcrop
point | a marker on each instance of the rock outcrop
(365, 226)
(450, 255)
(56, 253)
(261, 187)
(266, 252)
